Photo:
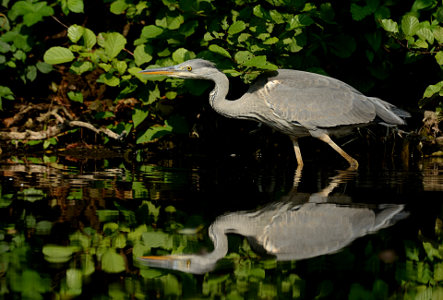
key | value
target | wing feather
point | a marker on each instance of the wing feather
(314, 100)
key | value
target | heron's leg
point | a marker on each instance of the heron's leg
(352, 162)
(297, 152)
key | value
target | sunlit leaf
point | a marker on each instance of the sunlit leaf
(31, 194)
(74, 280)
(109, 79)
(75, 32)
(138, 116)
(58, 55)
(180, 55)
(58, 254)
(433, 89)
(171, 285)
(219, 50)
(143, 54)
(119, 241)
(157, 239)
(113, 43)
(112, 262)
(118, 7)
(236, 27)
(152, 133)
(76, 6)
(150, 273)
(409, 25)
(75, 96)
(389, 25)
(89, 38)
(32, 12)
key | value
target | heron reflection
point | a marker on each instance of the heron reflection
(298, 227)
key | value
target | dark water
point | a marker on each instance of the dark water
(74, 228)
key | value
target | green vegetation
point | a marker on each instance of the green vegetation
(76, 63)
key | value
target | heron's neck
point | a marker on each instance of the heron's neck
(228, 108)
(218, 236)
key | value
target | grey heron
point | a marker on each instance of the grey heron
(296, 103)
(300, 226)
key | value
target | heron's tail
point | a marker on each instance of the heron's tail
(389, 113)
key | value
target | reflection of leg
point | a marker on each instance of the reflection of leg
(341, 177)
(352, 162)
(297, 176)
(297, 152)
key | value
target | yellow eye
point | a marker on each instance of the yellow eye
(189, 68)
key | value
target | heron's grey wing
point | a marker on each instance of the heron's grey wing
(315, 230)
(314, 100)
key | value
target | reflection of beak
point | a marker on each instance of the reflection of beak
(160, 71)
(163, 262)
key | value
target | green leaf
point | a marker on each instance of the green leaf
(236, 27)
(113, 43)
(389, 25)
(151, 31)
(121, 66)
(180, 55)
(219, 50)
(31, 72)
(359, 12)
(89, 38)
(439, 58)
(58, 254)
(74, 281)
(109, 79)
(433, 89)
(260, 62)
(242, 56)
(80, 67)
(138, 116)
(271, 41)
(58, 55)
(152, 133)
(112, 262)
(118, 7)
(4, 47)
(157, 239)
(32, 12)
(150, 273)
(421, 4)
(343, 46)
(75, 32)
(75, 96)
(44, 67)
(143, 54)
(6, 93)
(426, 34)
(409, 25)
(76, 6)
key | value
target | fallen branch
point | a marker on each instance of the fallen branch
(53, 131)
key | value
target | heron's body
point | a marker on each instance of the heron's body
(294, 102)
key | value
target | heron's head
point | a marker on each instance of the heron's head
(196, 264)
(192, 69)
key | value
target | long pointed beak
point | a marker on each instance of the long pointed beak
(167, 71)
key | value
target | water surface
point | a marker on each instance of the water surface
(75, 228)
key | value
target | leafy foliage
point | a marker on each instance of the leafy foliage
(89, 55)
